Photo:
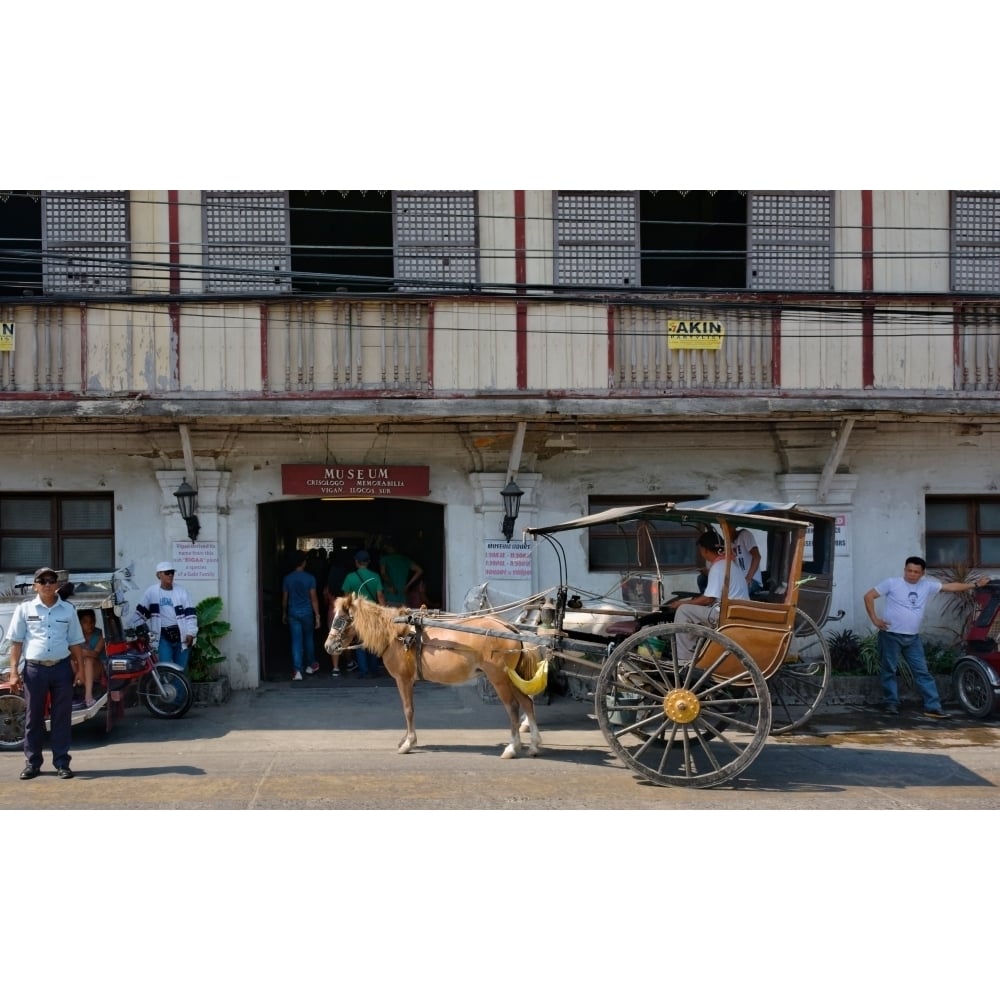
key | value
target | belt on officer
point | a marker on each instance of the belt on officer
(45, 663)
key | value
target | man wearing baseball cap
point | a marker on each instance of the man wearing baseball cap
(48, 631)
(365, 583)
(170, 614)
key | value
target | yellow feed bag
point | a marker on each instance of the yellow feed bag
(537, 683)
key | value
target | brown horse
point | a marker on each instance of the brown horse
(441, 654)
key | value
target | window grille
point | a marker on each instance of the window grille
(975, 241)
(436, 240)
(791, 241)
(85, 242)
(596, 238)
(246, 241)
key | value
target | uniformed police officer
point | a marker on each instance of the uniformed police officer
(48, 630)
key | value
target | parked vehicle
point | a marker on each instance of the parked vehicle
(132, 672)
(976, 676)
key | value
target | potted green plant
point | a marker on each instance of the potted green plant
(211, 686)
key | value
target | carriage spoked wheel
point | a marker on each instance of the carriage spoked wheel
(799, 685)
(12, 719)
(693, 723)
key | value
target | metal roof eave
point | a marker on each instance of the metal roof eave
(688, 512)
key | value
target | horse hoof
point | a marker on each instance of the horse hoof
(508, 754)
(534, 751)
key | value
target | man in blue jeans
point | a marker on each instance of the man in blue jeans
(171, 615)
(905, 600)
(300, 612)
(48, 632)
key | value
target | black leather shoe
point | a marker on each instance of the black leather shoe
(64, 772)
(30, 772)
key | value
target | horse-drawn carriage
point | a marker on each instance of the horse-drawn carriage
(697, 719)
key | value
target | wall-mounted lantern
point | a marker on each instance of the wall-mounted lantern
(511, 495)
(187, 502)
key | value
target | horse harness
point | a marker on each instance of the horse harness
(414, 641)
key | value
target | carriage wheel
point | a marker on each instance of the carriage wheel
(974, 688)
(797, 689)
(677, 724)
(12, 719)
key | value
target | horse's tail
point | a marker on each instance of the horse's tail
(531, 673)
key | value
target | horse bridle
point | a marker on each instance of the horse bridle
(337, 626)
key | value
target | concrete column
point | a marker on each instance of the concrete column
(801, 488)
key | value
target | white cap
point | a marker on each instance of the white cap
(164, 567)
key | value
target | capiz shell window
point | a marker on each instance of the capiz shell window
(246, 241)
(85, 242)
(436, 239)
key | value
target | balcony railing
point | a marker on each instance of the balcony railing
(451, 346)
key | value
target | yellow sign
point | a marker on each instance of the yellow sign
(6, 336)
(695, 334)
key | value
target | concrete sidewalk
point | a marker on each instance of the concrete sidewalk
(331, 745)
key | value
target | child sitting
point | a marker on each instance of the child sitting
(93, 654)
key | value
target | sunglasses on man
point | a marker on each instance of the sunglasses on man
(47, 580)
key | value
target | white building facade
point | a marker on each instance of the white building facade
(836, 349)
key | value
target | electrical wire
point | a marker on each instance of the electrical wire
(23, 267)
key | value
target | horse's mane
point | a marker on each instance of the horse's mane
(373, 622)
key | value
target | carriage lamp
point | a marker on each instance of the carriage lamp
(511, 495)
(187, 502)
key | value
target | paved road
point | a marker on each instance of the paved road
(322, 745)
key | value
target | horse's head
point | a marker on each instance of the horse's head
(342, 626)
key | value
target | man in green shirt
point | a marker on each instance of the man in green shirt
(365, 583)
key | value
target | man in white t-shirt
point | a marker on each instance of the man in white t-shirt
(904, 603)
(703, 609)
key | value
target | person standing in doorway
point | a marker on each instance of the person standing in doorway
(300, 612)
(48, 632)
(170, 614)
(399, 574)
(365, 583)
(905, 601)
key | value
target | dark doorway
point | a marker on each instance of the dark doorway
(415, 527)
(693, 240)
(341, 240)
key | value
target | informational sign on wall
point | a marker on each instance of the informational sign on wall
(6, 336)
(840, 539)
(840, 536)
(196, 561)
(508, 560)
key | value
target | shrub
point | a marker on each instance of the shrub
(205, 654)
(845, 652)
